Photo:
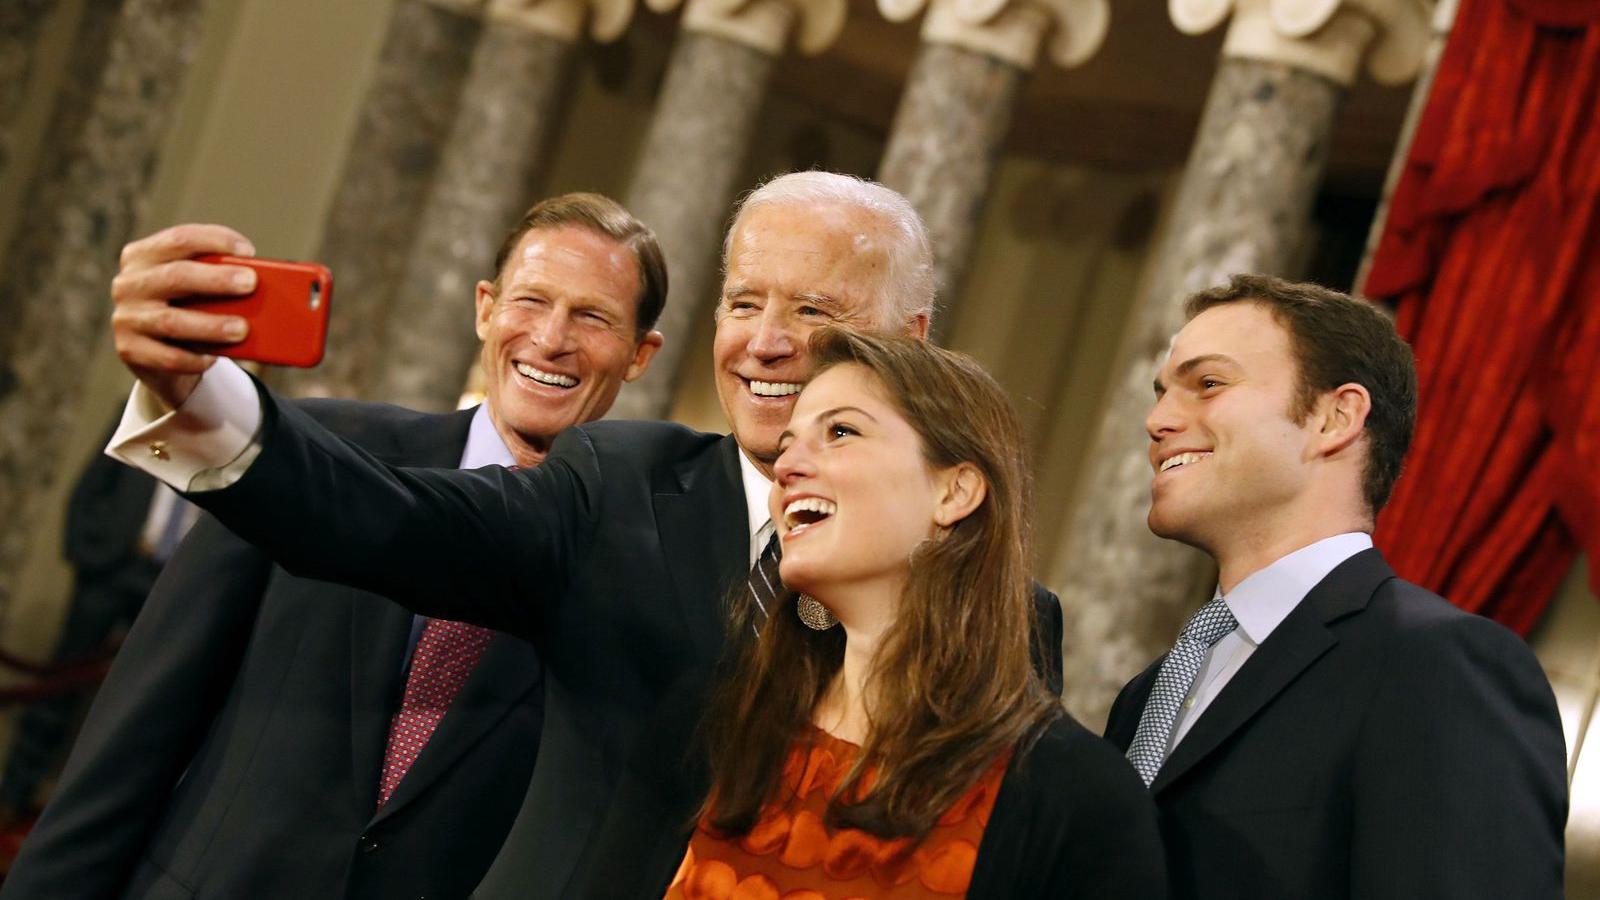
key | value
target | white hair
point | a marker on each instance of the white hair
(908, 282)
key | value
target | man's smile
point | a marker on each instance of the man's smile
(553, 379)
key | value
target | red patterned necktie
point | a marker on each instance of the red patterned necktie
(446, 654)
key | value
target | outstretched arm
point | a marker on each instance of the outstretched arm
(491, 546)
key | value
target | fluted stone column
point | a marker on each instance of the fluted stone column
(21, 22)
(1243, 205)
(63, 316)
(717, 78)
(497, 149)
(400, 130)
(29, 250)
(958, 104)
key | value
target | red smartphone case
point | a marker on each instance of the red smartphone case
(288, 312)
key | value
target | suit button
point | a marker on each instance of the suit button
(368, 843)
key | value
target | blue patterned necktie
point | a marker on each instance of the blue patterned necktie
(1149, 748)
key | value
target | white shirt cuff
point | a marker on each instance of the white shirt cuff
(205, 444)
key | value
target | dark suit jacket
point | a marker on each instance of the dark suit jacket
(1380, 743)
(615, 557)
(236, 747)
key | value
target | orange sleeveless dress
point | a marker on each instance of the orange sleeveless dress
(792, 855)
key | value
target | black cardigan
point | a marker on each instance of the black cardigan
(1072, 820)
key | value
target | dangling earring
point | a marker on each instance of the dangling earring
(813, 614)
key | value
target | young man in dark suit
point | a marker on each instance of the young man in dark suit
(265, 735)
(616, 556)
(1323, 729)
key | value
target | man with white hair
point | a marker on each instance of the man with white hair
(617, 555)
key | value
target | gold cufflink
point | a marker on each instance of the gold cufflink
(158, 449)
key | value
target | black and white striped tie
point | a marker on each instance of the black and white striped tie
(1150, 742)
(764, 582)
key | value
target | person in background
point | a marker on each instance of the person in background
(1323, 729)
(267, 735)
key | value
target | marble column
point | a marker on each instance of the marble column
(400, 129)
(63, 315)
(694, 152)
(957, 108)
(21, 22)
(1243, 205)
(29, 250)
(495, 153)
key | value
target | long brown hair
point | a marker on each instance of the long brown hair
(952, 687)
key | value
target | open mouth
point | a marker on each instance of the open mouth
(774, 389)
(552, 379)
(1178, 460)
(805, 512)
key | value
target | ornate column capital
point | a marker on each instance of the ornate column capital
(564, 19)
(1013, 30)
(1329, 37)
(764, 25)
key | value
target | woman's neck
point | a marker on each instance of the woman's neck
(844, 710)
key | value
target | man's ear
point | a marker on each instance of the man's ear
(961, 490)
(642, 354)
(484, 298)
(1343, 417)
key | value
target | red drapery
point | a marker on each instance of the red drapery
(1491, 256)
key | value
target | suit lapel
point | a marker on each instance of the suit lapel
(381, 629)
(704, 502)
(1293, 646)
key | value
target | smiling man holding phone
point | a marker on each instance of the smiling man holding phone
(263, 735)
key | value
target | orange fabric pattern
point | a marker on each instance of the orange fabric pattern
(792, 855)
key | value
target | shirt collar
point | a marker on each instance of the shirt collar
(485, 447)
(756, 488)
(1262, 601)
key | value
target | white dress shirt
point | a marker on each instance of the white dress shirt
(756, 489)
(205, 444)
(485, 446)
(1259, 604)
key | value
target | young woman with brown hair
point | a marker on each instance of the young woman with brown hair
(886, 735)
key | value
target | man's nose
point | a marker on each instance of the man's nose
(553, 333)
(1165, 417)
(774, 337)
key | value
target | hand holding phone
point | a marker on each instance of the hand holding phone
(287, 312)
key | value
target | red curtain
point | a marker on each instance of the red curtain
(1491, 258)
